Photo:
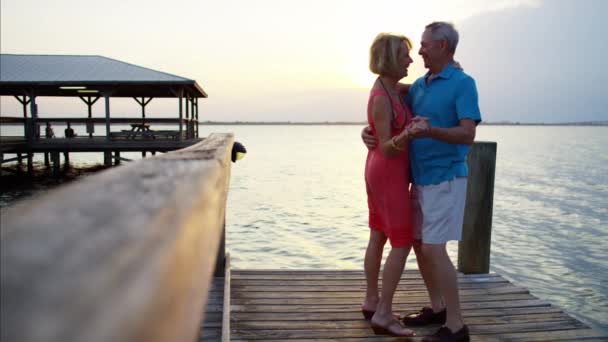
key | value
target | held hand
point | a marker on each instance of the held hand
(369, 140)
(419, 127)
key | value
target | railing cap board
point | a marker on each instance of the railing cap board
(124, 255)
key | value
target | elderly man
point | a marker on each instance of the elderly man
(446, 106)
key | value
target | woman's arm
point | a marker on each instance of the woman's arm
(382, 116)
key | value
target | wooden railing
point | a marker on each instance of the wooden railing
(474, 249)
(124, 255)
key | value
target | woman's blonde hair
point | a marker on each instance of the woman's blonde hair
(384, 53)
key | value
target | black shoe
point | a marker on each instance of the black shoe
(444, 334)
(426, 316)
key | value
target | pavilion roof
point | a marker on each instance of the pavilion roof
(46, 74)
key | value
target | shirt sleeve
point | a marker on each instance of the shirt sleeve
(467, 101)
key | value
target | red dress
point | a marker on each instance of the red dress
(387, 182)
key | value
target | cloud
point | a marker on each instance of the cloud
(542, 63)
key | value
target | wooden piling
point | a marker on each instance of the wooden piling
(30, 163)
(474, 248)
(107, 158)
(56, 162)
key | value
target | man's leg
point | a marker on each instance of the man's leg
(426, 266)
(444, 275)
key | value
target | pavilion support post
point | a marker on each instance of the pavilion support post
(66, 157)
(107, 98)
(196, 108)
(47, 163)
(34, 113)
(143, 154)
(24, 102)
(181, 115)
(19, 159)
(143, 103)
(90, 103)
(187, 116)
(116, 157)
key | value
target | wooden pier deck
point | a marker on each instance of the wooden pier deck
(324, 305)
(100, 144)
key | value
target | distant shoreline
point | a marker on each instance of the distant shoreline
(350, 123)
(339, 123)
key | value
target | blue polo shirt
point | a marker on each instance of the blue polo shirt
(448, 98)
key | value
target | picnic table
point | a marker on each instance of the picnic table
(143, 128)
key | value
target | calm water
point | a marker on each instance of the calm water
(297, 201)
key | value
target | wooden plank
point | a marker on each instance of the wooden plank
(356, 315)
(405, 307)
(357, 293)
(404, 299)
(557, 335)
(587, 335)
(324, 282)
(135, 245)
(352, 287)
(226, 304)
(362, 324)
(331, 274)
(425, 331)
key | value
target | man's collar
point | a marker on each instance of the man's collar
(446, 72)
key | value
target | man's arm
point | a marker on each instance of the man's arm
(464, 133)
(369, 140)
(467, 108)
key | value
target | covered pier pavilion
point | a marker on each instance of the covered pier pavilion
(94, 78)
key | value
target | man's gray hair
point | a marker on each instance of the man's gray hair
(441, 30)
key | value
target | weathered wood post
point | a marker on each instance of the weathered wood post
(86, 262)
(474, 248)
(220, 261)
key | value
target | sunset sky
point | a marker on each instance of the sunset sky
(281, 60)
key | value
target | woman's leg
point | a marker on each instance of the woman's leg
(393, 269)
(373, 258)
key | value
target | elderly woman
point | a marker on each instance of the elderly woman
(387, 181)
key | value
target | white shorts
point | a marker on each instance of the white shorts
(439, 211)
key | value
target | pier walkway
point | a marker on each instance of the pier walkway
(307, 305)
